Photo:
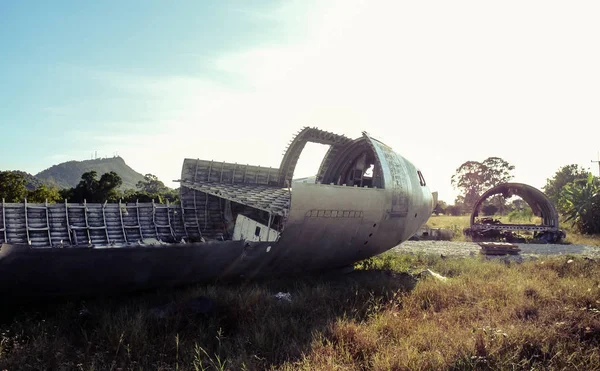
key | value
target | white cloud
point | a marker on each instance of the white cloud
(441, 82)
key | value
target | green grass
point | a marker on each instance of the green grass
(488, 315)
(449, 222)
(454, 223)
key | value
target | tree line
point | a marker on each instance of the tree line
(574, 191)
(13, 188)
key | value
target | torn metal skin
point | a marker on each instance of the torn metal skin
(234, 221)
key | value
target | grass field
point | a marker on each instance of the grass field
(487, 315)
(458, 223)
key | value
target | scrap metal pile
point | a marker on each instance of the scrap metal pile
(548, 230)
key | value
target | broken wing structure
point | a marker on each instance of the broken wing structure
(234, 221)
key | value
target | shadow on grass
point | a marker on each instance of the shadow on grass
(248, 328)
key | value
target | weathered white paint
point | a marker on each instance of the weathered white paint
(246, 228)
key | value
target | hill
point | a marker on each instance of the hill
(68, 174)
(31, 181)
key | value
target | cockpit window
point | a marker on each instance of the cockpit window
(421, 178)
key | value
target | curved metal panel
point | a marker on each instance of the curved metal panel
(340, 161)
(296, 145)
(395, 176)
(536, 199)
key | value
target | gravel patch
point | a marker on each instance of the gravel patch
(450, 248)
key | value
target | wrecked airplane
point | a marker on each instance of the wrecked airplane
(234, 221)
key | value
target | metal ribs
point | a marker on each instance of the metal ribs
(296, 145)
(270, 199)
(64, 224)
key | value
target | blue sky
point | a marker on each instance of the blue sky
(441, 82)
(58, 57)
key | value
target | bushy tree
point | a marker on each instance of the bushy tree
(565, 175)
(489, 209)
(151, 185)
(473, 178)
(12, 186)
(454, 210)
(93, 190)
(582, 204)
(517, 204)
(108, 187)
(172, 195)
(440, 207)
(151, 188)
(43, 193)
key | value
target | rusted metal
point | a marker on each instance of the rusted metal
(487, 228)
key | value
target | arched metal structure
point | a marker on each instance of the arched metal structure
(296, 145)
(536, 199)
(348, 164)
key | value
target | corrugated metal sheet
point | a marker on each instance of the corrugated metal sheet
(270, 199)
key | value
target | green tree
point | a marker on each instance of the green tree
(454, 210)
(12, 186)
(172, 195)
(440, 207)
(108, 187)
(86, 189)
(151, 188)
(518, 204)
(93, 190)
(563, 176)
(489, 209)
(496, 171)
(43, 193)
(582, 204)
(151, 185)
(132, 196)
(473, 178)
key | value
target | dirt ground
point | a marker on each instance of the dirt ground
(449, 248)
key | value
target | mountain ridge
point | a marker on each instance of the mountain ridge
(68, 174)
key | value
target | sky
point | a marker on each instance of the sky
(441, 82)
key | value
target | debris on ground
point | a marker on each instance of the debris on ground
(430, 273)
(437, 234)
(498, 248)
(152, 242)
(283, 296)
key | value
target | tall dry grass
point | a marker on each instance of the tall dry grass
(487, 315)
